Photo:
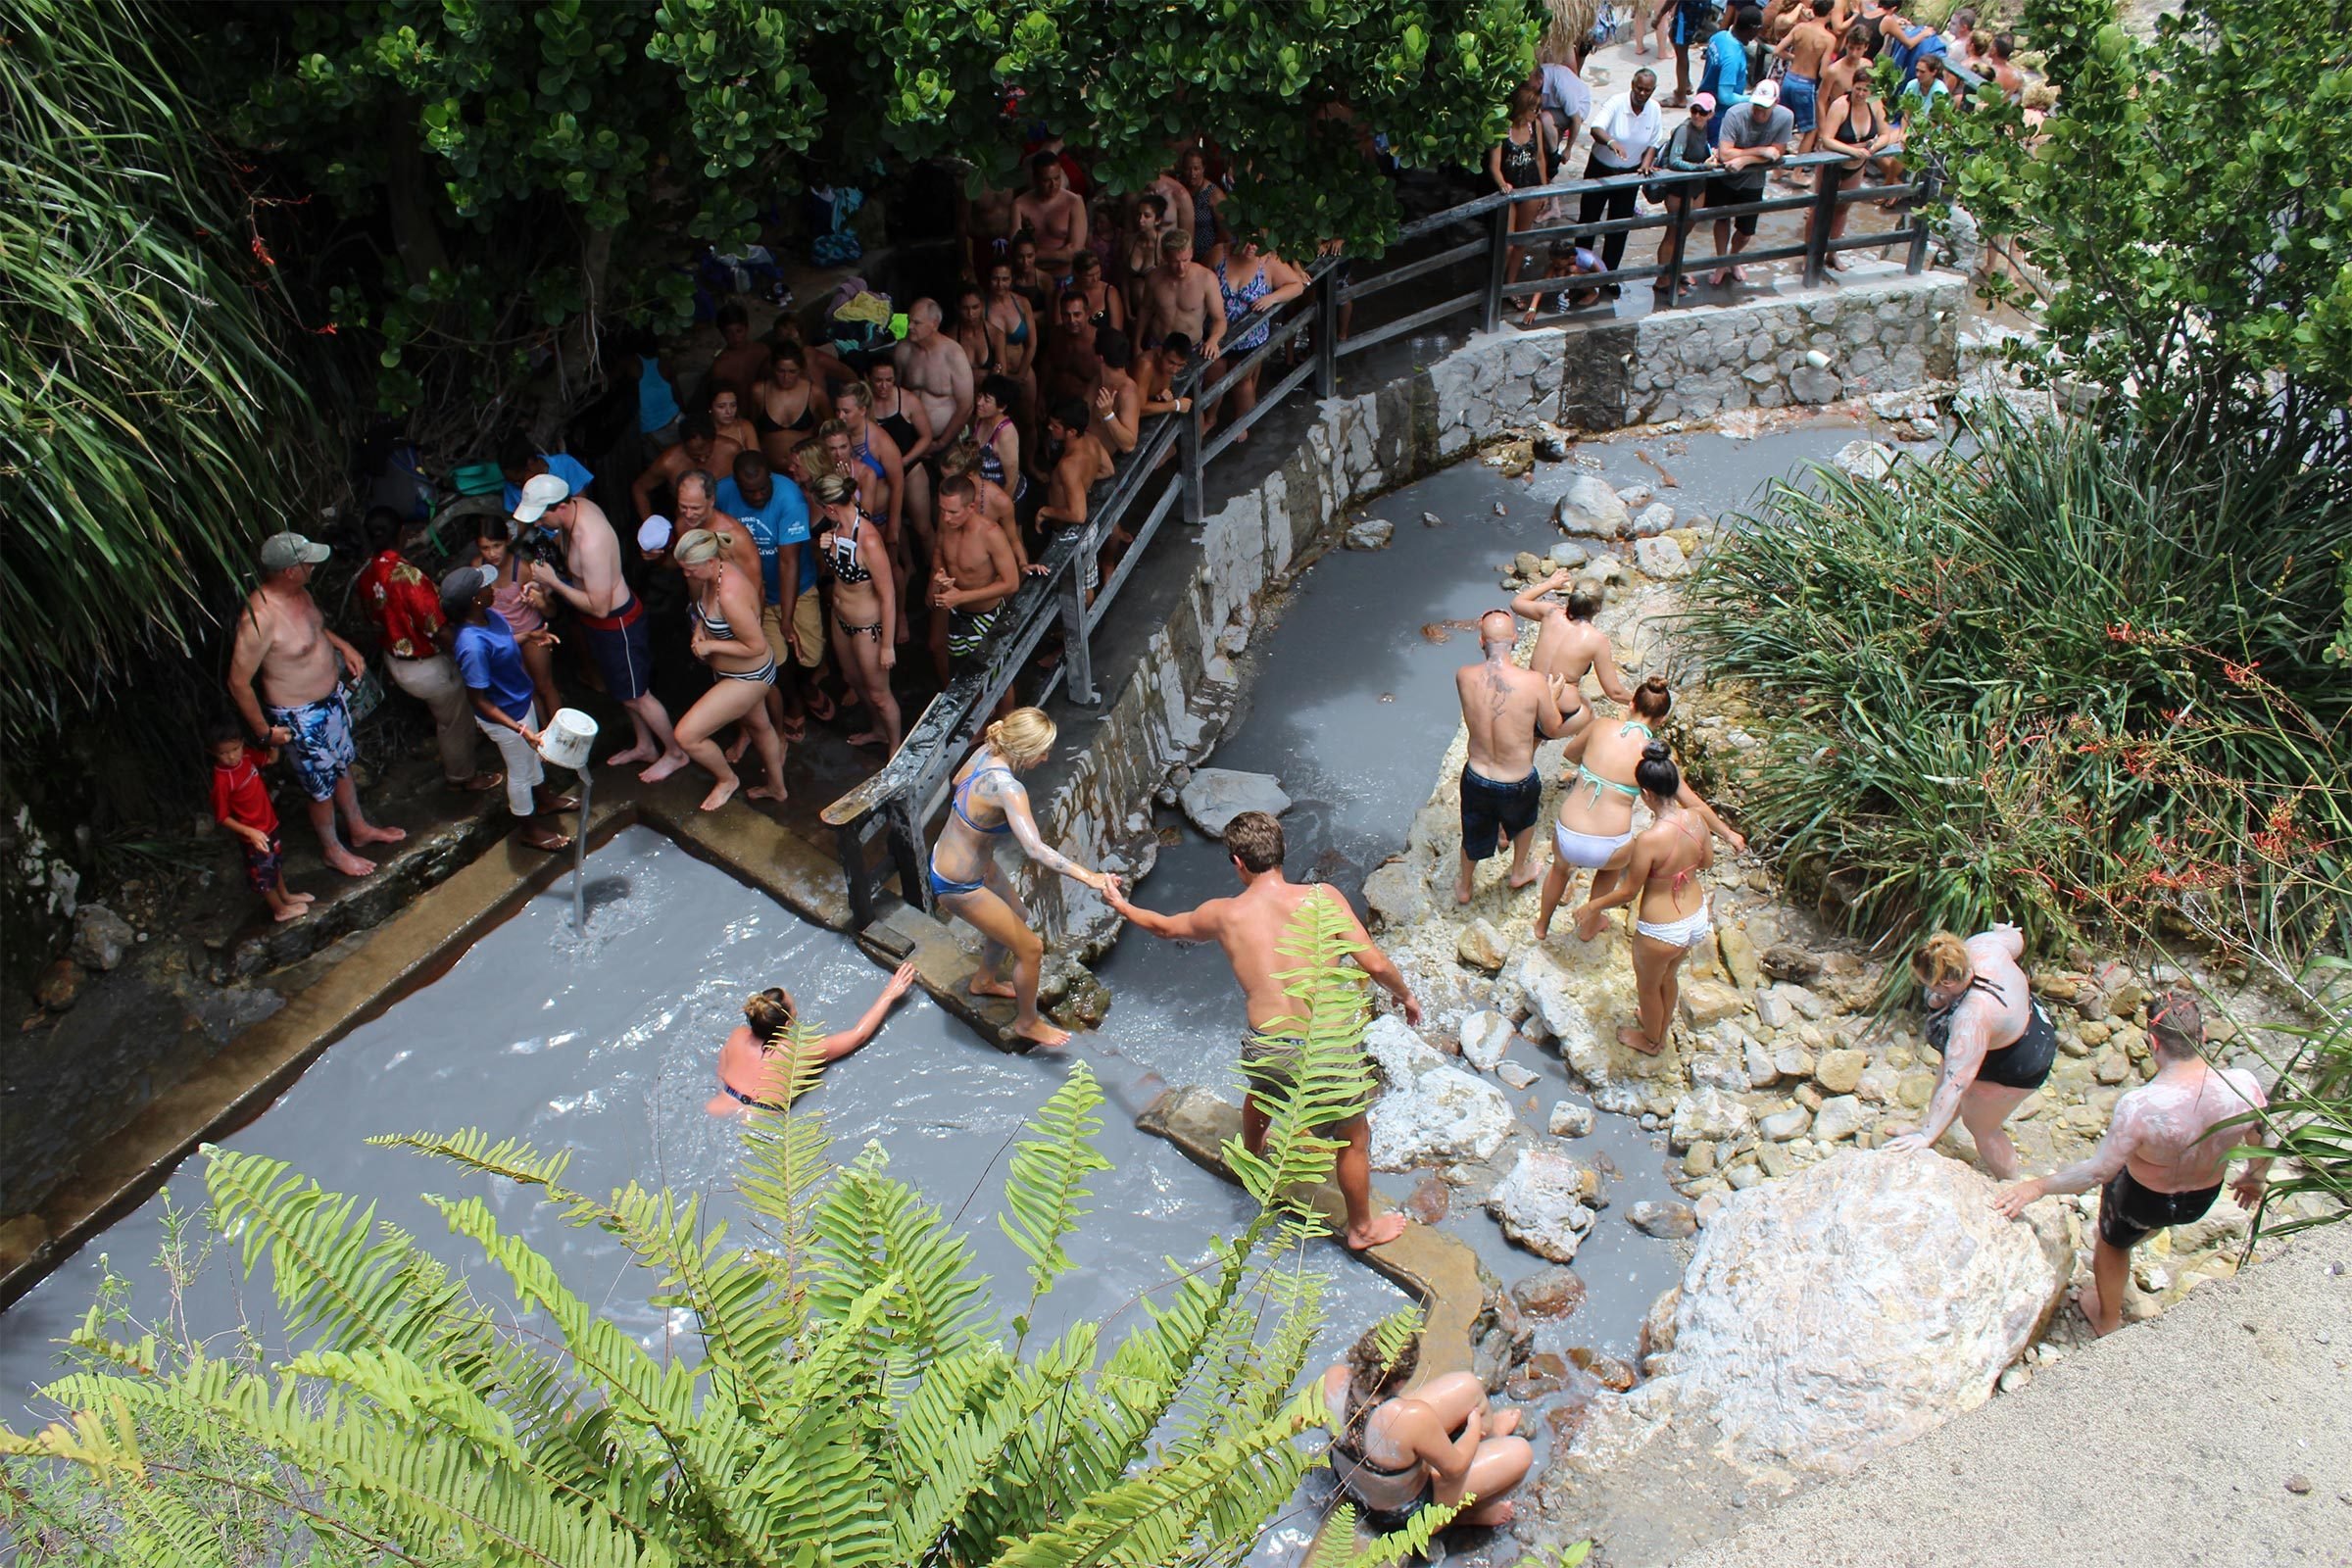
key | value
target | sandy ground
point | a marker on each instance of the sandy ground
(2181, 1441)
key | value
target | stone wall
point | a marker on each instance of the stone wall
(1168, 711)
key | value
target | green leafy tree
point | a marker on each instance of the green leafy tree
(857, 1399)
(150, 427)
(2191, 199)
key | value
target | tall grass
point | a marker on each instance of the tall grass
(2064, 678)
(148, 426)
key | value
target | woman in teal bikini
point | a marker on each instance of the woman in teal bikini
(1597, 812)
(966, 881)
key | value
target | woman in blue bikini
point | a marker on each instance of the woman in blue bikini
(988, 803)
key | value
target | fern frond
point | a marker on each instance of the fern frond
(787, 1155)
(1329, 1083)
(1045, 1188)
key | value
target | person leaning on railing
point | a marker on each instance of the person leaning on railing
(1687, 152)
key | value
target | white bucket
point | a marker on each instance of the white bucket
(566, 739)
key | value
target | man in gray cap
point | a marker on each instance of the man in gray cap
(489, 661)
(284, 639)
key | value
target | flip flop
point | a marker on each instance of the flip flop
(561, 843)
(479, 784)
(562, 803)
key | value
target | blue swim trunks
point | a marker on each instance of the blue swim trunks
(1802, 95)
(321, 750)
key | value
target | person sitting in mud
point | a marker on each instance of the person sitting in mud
(1249, 926)
(987, 803)
(1507, 710)
(1996, 1045)
(1596, 823)
(1662, 870)
(1567, 642)
(2162, 1160)
(752, 1064)
(1396, 1452)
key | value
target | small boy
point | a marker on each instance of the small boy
(1568, 258)
(241, 805)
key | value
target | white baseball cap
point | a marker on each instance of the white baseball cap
(1767, 93)
(652, 535)
(539, 493)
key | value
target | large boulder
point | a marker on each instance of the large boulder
(1590, 507)
(1215, 796)
(1661, 558)
(1444, 1116)
(1398, 892)
(1865, 459)
(100, 937)
(1838, 1314)
(1544, 1204)
(1398, 1052)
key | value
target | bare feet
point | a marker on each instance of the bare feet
(766, 792)
(1504, 1424)
(865, 737)
(479, 784)
(550, 802)
(635, 753)
(1521, 876)
(369, 833)
(305, 899)
(979, 987)
(1635, 1039)
(1461, 888)
(1378, 1231)
(292, 912)
(2087, 1302)
(820, 707)
(342, 859)
(720, 794)
(1544, 929)
(1493, 1517)
(795, 728)
(743, 744)
(668, 764)
(1041, 1033)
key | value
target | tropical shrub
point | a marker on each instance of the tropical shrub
(858, 1397)
(2066, 678)
(2308, 1123)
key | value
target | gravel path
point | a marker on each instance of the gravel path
(2219, 1432)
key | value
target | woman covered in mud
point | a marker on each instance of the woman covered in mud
(751, 1065)
(989, 803)
(1396, 1453)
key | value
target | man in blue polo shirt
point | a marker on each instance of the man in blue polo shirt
(772, 510)
(521, 462)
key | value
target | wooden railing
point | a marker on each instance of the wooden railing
(894, 804)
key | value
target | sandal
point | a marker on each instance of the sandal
(553, 846)
(479, 784)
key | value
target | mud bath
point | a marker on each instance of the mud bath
(607, 1051)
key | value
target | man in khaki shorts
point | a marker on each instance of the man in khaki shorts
(774, 513)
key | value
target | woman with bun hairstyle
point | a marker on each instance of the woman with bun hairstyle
(724, 615)
(987, 803)
(1662, 870)
(1996, 1044)
(1597, 810)
(750, 1077)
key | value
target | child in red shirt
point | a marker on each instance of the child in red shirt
(241, 805)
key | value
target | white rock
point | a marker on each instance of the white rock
(1654, 519)
(1481, 946)
(1720, 1071)
(1762, 1072)
(1782, 1125)
(1865, 459)
(1540, 1204)
(1569, 553)
(1514, 1075)
(1571, 1120)
(1373, 533)
(100, 937)
(1840, 1116)
(1398, 892)
(1636, 496)
(1538, 976)
(1807, 1003)
(1399, 1053)
(1445, 1116)
(1485, 1038)
(1831, 1317)
(1772, 1010)
(1707, 1116)
(1590, 507)
(1661, 558)
(1430, 519)
(1217, 795)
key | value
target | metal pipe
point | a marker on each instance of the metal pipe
(579, 855)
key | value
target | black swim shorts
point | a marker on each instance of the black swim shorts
(2128, 1212)
(1492, 813)
(2026, 1063)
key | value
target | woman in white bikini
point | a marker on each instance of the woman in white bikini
(1596, 811)
(1662, 870)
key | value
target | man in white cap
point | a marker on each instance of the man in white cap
(612, 618)
(1755, 136)
(283, 640)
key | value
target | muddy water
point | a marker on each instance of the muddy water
(606, 1049)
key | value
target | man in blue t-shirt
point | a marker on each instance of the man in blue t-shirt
(521, 462)
(490, 662)
(772, 510)
(1725, 77)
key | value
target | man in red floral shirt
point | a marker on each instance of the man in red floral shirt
(406, 610)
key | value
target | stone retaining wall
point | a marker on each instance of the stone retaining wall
(1168, 712)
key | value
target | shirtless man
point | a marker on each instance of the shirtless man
(284, 639)
(1996, 1044)
(976, 570)
(1507, 710)
(1208, 227)
(992, 499)
(699, 446)
(1808, 49)
(1175, 201)
(612, 618)
(1118, 401)
(1568, 643)
(1157, 374)
(1182, 296)
(1252, 927)
(934, 369)
(1053, 214)
(740, 362)
(1837, 76)
(2164, 1155)
(1070, 362)
(1082, 465)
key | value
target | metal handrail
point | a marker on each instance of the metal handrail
(909, 788)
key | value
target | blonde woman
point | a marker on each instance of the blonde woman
(1996, 1045)
(724, 613)
(989, 803)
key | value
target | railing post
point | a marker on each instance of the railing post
(1684, 219)
(1824, 222)
(848, 840)
(1188, 453)
(1077, 658)
(903, 837)
(1917, 262)
(1498, 265)
(1327, 335)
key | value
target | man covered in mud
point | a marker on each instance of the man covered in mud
(2162, 1160)
(1569, 645)
(1506, 711)
(1249, 926)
